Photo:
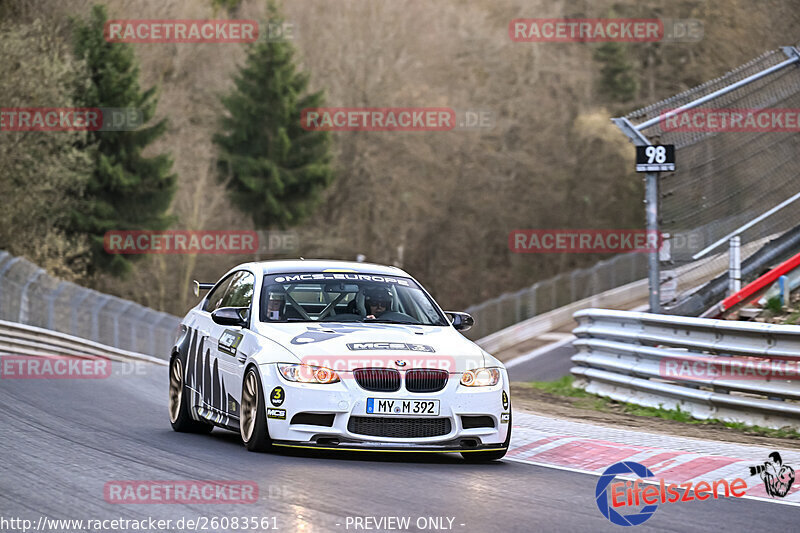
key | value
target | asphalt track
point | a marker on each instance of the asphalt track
(549, 363)
(63, 439)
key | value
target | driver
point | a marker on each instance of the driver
(377, 301)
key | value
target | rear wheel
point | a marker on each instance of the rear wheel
(179, 415)
(482, 457)
(253, 421)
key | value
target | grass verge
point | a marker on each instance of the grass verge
(582, 399)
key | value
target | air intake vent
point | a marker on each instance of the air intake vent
(314, 419)
(472, 422)
(399, 428)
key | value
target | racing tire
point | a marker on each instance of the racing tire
(179, 415)
(484, 457)
(253, 419)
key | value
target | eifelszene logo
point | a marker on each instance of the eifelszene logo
(629, 495)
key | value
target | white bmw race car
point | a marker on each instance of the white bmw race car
(336, 355)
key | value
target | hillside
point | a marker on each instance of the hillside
(441, 204)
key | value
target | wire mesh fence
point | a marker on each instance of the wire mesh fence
(727, 174)
(511, 308)
(30, 296)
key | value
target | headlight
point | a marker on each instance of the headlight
(308, 373)
(480, 377)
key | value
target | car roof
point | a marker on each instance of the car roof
(320, 265)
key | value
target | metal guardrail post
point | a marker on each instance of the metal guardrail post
(735, 265)
(11, 262)
(532, 304)
(136, 319)
(125, 307)
(76, 303)
(23, 296)
(51, 301)
(103, 299)
(573, 290)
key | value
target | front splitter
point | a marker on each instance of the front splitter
(367, 447)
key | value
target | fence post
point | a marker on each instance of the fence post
(134, 330)
(75, 308)
(23, 296)
(103, 299)
(124, 308)
(3, 271)
(51, 303)
(532, 295)
(735, 265)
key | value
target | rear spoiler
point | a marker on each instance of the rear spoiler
(197, 287)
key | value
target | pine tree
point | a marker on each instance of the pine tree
(273, 169)
(617, 82)
(127, 191)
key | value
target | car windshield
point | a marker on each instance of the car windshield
(346, 297)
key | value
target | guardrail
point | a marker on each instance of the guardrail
(21, 339)
(710, 368)
(29, 295)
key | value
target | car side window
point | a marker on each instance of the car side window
(240, 291)
(215, 296)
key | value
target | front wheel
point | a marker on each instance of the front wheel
(179, 415)
(253, 421)
(483, 457)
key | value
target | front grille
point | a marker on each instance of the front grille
(426, 379)
(476, 421)
(399, 428)
(377, 379)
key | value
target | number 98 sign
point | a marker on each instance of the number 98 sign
(655, 158)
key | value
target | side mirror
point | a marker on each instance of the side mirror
(230, 316)
(460, 321)
(197, 287)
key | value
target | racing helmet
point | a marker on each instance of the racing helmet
(378, 295)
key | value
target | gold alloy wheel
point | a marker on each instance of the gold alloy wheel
(175, 389)
(249, 406)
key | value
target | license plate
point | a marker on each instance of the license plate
(396, 406)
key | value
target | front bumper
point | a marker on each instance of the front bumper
(347, 399)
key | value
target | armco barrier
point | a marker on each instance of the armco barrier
(20, 339)
(622, 355)
(28, 295)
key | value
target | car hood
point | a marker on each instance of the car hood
(345, 346)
